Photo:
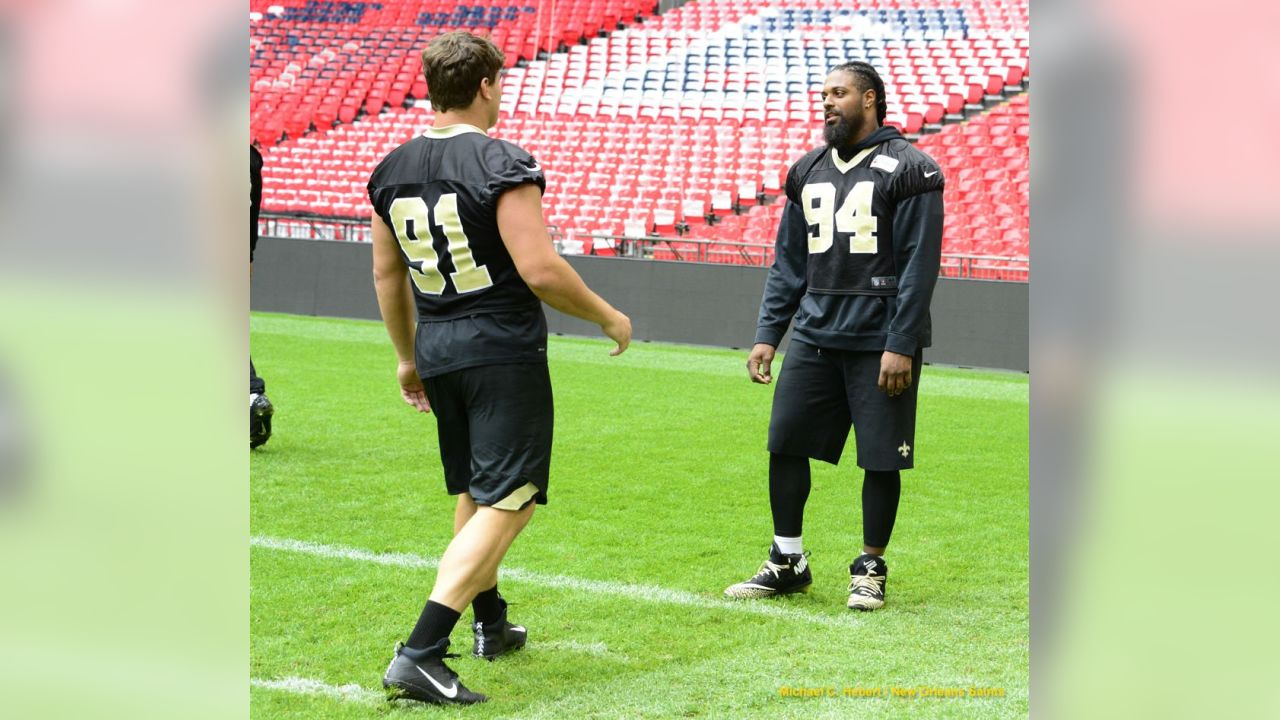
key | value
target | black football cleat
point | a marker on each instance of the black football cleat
(498, 637)
(260, 412)
(867, 577)
(779, 575)
(422, 675)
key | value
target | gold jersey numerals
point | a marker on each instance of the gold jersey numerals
(409, 221)
(854, 217)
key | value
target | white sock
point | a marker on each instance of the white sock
(788, 546)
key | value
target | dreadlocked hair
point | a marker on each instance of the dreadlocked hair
(868, 79)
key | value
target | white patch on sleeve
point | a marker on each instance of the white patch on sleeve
(885, 163)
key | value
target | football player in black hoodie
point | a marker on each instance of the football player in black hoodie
(857, 258)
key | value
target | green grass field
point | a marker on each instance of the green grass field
(658, 500)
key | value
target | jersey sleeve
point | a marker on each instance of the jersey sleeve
(920, 175)
(785, 284)
(917, 243)
(509, 166)
(792, 187)
(373, 188)
(799, 171)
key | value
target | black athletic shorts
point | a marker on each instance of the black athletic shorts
(494, 423)
(822, 392)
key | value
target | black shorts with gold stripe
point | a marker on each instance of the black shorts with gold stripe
(821, 392)
(495, 425)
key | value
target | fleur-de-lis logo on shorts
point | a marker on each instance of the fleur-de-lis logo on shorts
(905, 449)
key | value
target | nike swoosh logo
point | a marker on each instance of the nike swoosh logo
(534, 167)
(935, 172)
(449, 692)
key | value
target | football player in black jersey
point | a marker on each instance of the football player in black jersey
(458, 232)
(260, 408)
(857, 259)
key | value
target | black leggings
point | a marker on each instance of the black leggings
(880, 492)
(256, 384)
(789, 484)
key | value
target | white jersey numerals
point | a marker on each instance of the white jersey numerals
(409, 220)
(854, 216)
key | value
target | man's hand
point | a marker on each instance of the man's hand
(758, 363)
(895, 373)
(618, 328)
(411, 387)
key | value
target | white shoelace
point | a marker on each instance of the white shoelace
(773, 568)
(864, 585)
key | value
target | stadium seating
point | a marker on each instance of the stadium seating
(316, 63)
(986, 163)
(673, 125)
(709, 60)
(629, 169)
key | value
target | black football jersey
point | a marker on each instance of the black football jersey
(255, 197)
(859, 247)
(849, 205)
(438, 193)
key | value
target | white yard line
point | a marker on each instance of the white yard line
(356, 694)
(595, 648)
(308, 686)
(626, 591)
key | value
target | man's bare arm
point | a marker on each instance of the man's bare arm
(547, 274)
(395, 301)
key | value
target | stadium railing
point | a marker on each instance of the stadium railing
(653, 247)
(308, 226)
(648, 247)
(304, 226)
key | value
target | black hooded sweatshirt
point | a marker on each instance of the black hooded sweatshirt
(858, 248)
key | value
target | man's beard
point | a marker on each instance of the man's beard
(842, 133)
